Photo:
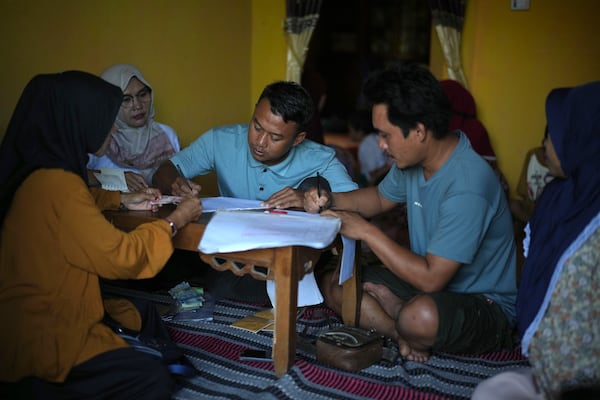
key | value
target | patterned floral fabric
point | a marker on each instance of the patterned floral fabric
(566, 348)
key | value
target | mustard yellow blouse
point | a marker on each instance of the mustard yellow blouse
(54, 245)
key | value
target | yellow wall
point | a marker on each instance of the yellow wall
(512, 59)
(209, 60)
(206, 60)
(268, 54)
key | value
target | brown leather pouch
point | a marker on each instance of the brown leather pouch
(349, 348)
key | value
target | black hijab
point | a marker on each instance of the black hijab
(59, 119)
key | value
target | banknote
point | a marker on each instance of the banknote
(168, 200)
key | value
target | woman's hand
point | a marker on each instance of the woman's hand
(141, 200)
(189, 210)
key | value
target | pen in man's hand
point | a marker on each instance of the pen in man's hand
(183, 177)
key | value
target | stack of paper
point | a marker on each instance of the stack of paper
(230, 231)
(211, 204)
(234, 228)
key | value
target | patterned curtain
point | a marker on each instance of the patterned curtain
(301, 20)
(448, 18)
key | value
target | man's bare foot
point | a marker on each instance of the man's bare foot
(390, 303)
(411, 354)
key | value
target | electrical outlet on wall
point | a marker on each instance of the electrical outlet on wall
(519, 4)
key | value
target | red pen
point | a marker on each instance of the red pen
(275, 212)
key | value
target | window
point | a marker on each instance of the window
(354, 37)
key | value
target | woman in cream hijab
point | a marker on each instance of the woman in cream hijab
(140, 144)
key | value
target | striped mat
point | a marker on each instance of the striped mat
(214, 348)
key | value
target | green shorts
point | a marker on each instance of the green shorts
(468, 323)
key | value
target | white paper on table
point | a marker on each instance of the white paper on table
(211, 204)
(348, 255)
(112, 179)
(308, 291)
(230, 231)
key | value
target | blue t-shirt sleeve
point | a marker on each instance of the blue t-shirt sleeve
(198, 158)
(462, 224)
(393, 185)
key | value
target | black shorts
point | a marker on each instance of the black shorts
(468, 323)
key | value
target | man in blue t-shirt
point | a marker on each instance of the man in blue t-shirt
(455, 289)
(268, 159)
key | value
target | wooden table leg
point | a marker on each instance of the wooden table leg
(286, 292)
(352, 292)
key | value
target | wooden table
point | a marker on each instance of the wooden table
(286, 265)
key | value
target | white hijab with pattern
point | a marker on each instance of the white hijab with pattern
(143, 148)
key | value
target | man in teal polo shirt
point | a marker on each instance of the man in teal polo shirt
(454, 290)
(268, 159)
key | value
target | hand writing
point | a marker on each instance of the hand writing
(185, 187)
(135, 182)
(313, 203)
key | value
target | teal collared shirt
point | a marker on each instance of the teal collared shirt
(460, 213)
(225, 150)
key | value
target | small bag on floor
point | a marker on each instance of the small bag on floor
(349, 348)
(153, 337)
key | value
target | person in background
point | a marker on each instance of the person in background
(374, 163)
(464, 118)
(55, 244)
(316, 86)
(558, 303)
(348, 160)
(141, 144)
(535, 175)
(462, 257)
(267, 159)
